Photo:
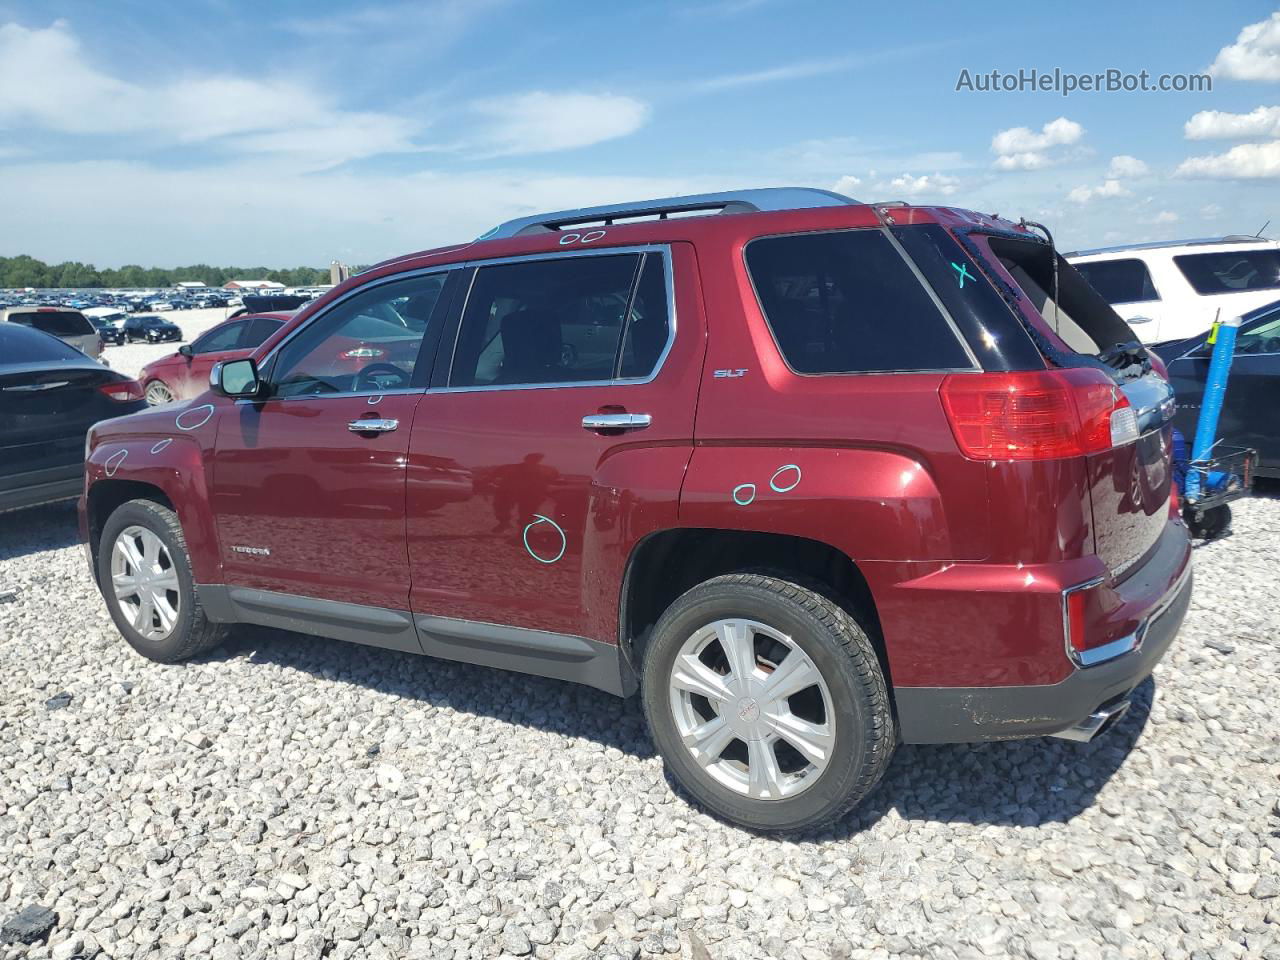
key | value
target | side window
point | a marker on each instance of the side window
(1231, 271)
(648, 322)
(259, 329)
(1119, 281)
(845, 302)
(215, 341)
(545, 321)
(366, 344)
(1262, 337)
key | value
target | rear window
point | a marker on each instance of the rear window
(19, 345)
(560, 320)
(1231, 271)
(846, 302)
(1120, 281)
(60, 323)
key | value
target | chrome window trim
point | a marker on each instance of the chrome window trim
(329, 308)
(663, 249)
(975, 367)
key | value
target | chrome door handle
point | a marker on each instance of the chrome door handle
(616, 421)
(372, 425)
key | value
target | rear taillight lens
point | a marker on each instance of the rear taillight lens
(1041, 415)
(1075, 621)
(122, 391)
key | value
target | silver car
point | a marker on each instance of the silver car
(69, 326)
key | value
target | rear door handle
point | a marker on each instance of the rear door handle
(616, 421)
(372, 425)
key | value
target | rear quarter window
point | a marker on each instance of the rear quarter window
(847, 302)
(1231, 271)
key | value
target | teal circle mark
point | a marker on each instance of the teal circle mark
(773, 481)
(750, 496)
(563, 540)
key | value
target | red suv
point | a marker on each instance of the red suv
(817, 477)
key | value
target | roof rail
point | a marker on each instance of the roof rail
(732, 201)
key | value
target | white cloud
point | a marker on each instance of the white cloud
(1109, 188)
(274, 115)
(1211, 211)
(790, 71)
(541, 122)
(847, 185)
(1260, 124)
(1165, 216)
(1254, 56)
(1126, 166)
(935, 184)
(1021, 148)
(1248, 161)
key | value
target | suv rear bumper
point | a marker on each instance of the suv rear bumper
(1077, 707)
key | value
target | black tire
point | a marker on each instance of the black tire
(862, 719)
(193, 633)
(1209, 524)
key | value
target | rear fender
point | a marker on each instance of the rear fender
(869, 504)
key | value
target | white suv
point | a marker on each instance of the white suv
(1171, 291)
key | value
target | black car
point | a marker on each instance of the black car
(1253, 390)
(109, 331)
(50, 395)
(151, 328)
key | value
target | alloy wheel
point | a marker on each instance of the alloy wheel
(158, 394)
(752, 709)
(145, 582)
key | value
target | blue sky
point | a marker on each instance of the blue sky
(287, 133)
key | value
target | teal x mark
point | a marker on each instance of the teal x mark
(963, 271)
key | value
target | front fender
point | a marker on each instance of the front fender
(169, 449)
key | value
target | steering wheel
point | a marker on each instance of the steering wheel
(364, 377)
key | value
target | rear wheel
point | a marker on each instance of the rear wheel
(767, 702)
(158, 394)
(1208, 524)
(145, 576)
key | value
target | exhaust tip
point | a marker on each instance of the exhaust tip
(1097, 723)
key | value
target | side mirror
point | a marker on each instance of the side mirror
(235, 378)
(185, 350)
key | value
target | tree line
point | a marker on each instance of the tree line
(25, 271)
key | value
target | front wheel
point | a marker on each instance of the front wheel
(767, 702)
(144, 573)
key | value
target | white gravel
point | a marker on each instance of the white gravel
(293, 797)
(131, 358)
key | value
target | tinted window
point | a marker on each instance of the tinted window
(648, 321)
(1231, 271)
(20, 345)
(365, 344)
(1119, 281)
(60, 323)
(846, 302)
(259, 329)
(226, 337)
(1261, 336)
(545, 321)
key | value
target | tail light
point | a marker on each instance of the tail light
(362, 353)
(1042, 415)
(122, 391)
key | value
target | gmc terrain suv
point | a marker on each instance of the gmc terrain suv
(816, 477)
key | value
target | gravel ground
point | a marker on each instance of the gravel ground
(131, 358)
(293, 797)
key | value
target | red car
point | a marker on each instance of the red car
(185, 374)
(816, 477)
